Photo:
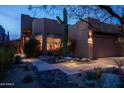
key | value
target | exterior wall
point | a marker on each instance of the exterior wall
(53, 27)
(46, 25)
(104, 46)
(37, 26)
(26, 23)
(79, 33)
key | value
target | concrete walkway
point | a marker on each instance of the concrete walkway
(72, 67)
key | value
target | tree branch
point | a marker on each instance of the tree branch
(110, 11)
(81, 19)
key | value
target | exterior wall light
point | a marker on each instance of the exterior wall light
(90, 40)
(27, 38)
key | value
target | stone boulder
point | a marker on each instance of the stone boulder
(109, 80)
(85, 60)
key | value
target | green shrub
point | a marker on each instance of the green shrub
(122, 82)
(17, 59)
(28, 79)
(32, 48)
(26, 68)
(98, 72)
(90, 75)
(56, 52)
(6, 58)
(94, 75)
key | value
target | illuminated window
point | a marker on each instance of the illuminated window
(53, 43)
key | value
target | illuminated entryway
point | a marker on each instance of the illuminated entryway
(25, 36)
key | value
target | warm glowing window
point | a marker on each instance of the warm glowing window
(53, 43)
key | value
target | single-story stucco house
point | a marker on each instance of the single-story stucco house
(90, 43)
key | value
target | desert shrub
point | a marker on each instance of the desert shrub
(98, 72)
(26, 68)
(56, 52)
(122, 82)
(32, 48)
(90, 75)
(119, 62)
(94, 75)
(27, 79)
(17, 59)
(6, 58)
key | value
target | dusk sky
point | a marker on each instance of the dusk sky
(10, 18)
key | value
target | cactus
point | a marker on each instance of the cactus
(65, 30)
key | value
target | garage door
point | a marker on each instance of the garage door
(104, 47)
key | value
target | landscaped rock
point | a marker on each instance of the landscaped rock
(85, 60)
(90, 83)
(55, 79)
(68, 58)
(76, 59)
(109, 80)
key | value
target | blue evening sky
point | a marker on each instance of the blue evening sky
(10, 18)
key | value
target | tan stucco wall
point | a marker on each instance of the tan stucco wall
(37, 26)
(53, 26)
(26, 22)
(79, 32)
(48, 25)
